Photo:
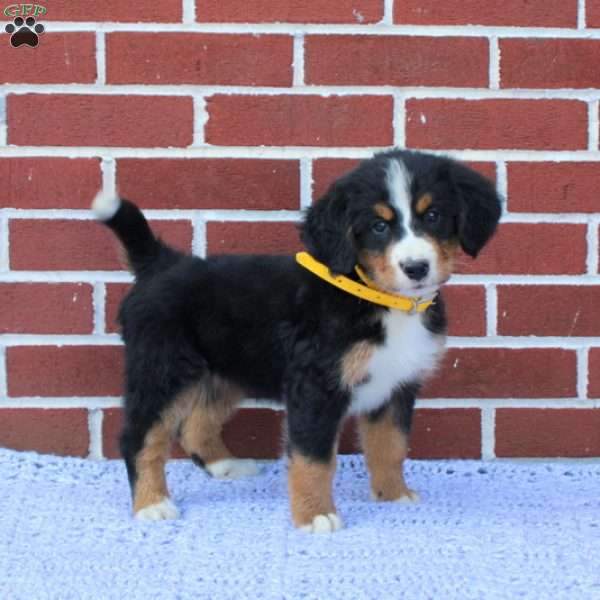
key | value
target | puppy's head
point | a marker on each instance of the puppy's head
(402, 216)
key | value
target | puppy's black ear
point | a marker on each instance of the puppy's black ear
(327, 231)
(479, 208)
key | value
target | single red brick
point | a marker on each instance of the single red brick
(532, 249)
(549, 63)
(210, 183)
(505, 373)
(99, 120)
(65, 58)
(250, 433)
(252, 238)
(49, 182)
(594, 373)
(52, 371)
(74, 245)
(519, 13)
(115, 292)
(526, 432)
(115, 11)
(289, 11)
(553, 187)
(565, 310)
(436, 433)
(46, 308)
(497, 124)
(466, 309)
(48, 431)
(327, 170)
(395, 60)
(592, 16)
(207, 59)
(285, 120)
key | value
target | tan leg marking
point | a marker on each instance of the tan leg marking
(355, 364)
(151, 484)
(385, 448)
(310, 489)
(210, 407)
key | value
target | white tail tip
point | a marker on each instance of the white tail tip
(105, 205)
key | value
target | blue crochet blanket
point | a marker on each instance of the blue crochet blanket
(482, 530)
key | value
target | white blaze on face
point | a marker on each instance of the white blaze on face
(410, 248)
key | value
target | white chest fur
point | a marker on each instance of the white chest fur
(409, 352)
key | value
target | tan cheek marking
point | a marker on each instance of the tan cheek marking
(204, 409)
(380, 268)
(423, 203)
(355, 364)
(384, 211)
(446, 255)
(385, 448)
(309, 485)
(151, 485)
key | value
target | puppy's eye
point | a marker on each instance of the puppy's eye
(380, 227)
(432, 216)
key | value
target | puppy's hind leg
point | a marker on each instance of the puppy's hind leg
(212, 404)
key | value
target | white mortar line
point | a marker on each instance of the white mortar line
(168, 214)
(324, 91)
(95, 418)
(99, 304)
(488, 342)
(488, 433)
(582, 373)
(581, 24)
(399, 121)
(4, 248)
(199, 243)
(298, 61)
(306, 182)
(491, 310)
(592, 248)
(124, 277)
(108, 167)
(593, 125)
(385, 27)
(106, 402)
(293, 153)
(502, 181)
(189, 12)
(34, 339)
(3, 376)
(100, 58)
(200, 121)
(494, 57)
(388, 13)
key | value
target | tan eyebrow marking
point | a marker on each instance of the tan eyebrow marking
(423, 203)
(384, 211)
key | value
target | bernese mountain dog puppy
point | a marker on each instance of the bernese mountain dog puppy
(353, 327)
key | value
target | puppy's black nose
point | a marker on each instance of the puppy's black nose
(415, 269)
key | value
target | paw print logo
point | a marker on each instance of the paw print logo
(24, 32)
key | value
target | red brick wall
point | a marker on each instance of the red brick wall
(224, 118)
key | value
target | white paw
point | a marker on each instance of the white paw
(165, 509)
(323, 524)
(233, 468)
(411, 497)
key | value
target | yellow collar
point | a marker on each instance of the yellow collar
(369, 292)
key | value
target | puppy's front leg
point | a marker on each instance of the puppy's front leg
(384, 439)
(313, 426)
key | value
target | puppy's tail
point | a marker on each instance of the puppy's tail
(145, 253)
